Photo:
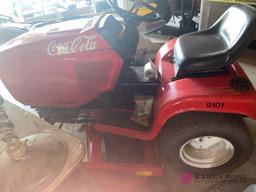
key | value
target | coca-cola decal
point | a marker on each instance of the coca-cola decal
(79, 44)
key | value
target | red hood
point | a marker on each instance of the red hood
(65, 64)
(53, 31)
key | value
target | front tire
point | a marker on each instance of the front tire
(209, 143)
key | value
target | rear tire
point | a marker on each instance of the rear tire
(182, 136)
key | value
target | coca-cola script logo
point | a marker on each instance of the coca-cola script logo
(79, 44)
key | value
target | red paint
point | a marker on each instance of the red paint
(190, 94)
(50, 67)
(162, 60)
(97, 161)
(130, 168)
(69, 80)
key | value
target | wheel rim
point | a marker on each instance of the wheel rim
(207, 152)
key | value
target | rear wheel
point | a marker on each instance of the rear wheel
(206, 142)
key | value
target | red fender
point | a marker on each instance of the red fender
(209, 94)
(201, 94)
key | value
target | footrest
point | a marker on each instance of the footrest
(118, 122)
(107, 152)
(120, 118)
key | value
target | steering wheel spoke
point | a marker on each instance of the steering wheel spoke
(136, 11)
(150, 7)
(132, 8)
(132, 13)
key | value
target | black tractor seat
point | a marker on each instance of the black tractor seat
(219, 46)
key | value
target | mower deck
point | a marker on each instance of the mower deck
(120, 154)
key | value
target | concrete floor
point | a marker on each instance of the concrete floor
(81, 180)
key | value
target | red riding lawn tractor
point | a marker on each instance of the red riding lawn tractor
(185, 108)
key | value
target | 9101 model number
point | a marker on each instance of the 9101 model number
(215, 105)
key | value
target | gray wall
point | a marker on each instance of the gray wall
(210, 12)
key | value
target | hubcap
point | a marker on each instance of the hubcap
(207, 152)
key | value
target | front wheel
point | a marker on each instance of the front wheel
(209, 143)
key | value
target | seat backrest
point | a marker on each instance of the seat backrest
(237, 27)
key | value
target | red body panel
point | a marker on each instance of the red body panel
(56, 66)
(209, 94)
(162, 60)
(97, 161)
(65, 64)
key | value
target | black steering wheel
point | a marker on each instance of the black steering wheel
(132, 13)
